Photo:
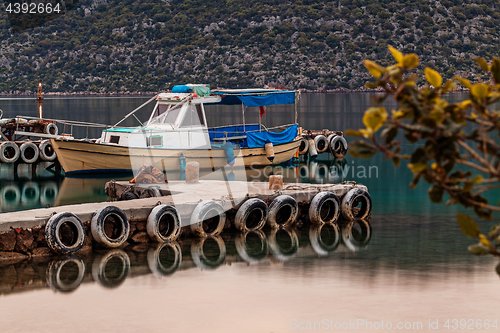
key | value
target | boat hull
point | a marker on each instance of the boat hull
(86, 157)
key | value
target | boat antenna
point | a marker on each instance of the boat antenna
(131, 113)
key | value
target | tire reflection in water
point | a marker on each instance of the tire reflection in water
(65, 275)
(111, 269)
(48, 193)
(251, 246)
(283, 243)
(356, 234)
(164, 259)
(209, 252)
(324, 238)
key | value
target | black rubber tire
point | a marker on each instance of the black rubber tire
(320, 236)
(283, 211)
(324, 208)
(47, 153)
(276, 242)
(339, 146)
(320, 143)
(160, 260)
(208, 219)
(351, 199)
(29, 152)
(114, 215)
(251, 216)
(356, 235)
(54, 238)
(51, 129)
(202, 259)
(61, 276)
(9, 152)
(160, 217)
(116, 274)
(304, 146)
(249, 250)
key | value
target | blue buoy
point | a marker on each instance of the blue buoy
(228, 149)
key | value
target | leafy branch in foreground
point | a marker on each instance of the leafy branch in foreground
(456, 144)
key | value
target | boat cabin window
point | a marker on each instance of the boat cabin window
(114, 139)
(155, 141)
(165, 113)
(194, 116)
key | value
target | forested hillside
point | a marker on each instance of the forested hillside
(149, 45)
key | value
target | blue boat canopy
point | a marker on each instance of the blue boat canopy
(255, 97)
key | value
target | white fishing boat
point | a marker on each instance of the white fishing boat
(177, 133)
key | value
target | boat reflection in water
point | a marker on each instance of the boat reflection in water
(111, 268)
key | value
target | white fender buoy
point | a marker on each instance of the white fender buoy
(324, 208)
(352, 198)
(251, 246)
(278, 238)
(339, 146)
(164, 224)
(47, 153)
(320, 143)
(165, 259)
(312, 148)
(9, 152)
(283, 211)
(269, 151)
(204, 261)
(324, 238)
(65, 233)
(61, 274)
(51, 129)
(120, 262)
(29, 152)
(304, 146)
(208, 219)
(251, 216)
(110, 227)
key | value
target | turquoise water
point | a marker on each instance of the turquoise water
(409, 265)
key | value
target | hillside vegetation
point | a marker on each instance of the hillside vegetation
(149, 45)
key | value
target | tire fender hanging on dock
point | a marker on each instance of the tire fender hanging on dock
(304, 146)
(208, 219)
(120, 271)
(352, 198)
(57, 278)
(252, 215)
(110, 227)
(283, 211)
(9, 152)
(165, 259)
(164, 224)
(29, 152)
(339, 146)
(47, 153)
(65, 233)
(320, 143)
(324, 208)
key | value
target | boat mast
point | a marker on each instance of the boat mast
(243, 112)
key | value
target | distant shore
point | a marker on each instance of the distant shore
(149, 93)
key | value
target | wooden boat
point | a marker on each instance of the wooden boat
(176, 133)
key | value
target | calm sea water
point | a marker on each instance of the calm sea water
(409, 267)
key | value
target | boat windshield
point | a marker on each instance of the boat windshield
(165, 114)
